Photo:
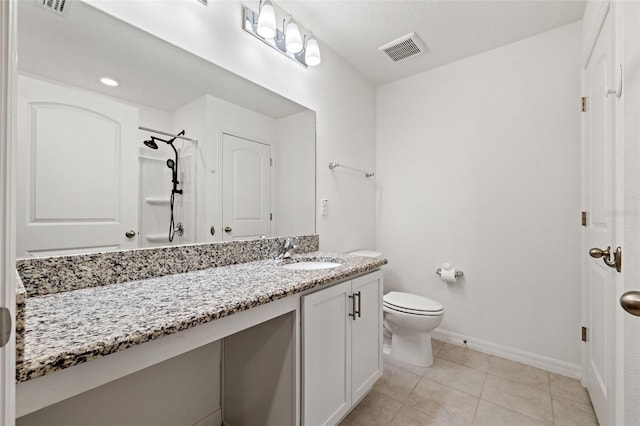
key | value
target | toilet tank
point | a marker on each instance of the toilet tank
(366, 253)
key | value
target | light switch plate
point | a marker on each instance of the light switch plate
(324, 207)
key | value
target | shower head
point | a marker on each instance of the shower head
(151, 143)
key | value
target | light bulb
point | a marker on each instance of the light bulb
(108, 82)
(266, 20)
(312, 53)
(293, 38)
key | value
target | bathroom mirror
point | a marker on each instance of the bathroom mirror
(87, 182)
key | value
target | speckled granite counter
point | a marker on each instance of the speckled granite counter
(71, 327)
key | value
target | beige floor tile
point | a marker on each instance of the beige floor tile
(490, 414)
(464, 356)
(568, 388)
(443, 402)
(569, 412)
(412, 416)
(456, 376)
(527, 400)
(413, 369)
(396, 382)
(436, 346)
(374, 409)
(518, 372)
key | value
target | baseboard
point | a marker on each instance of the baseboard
(539, 361)
(213, 419)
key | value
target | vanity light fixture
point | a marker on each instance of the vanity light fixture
(289, 40)
(108, 82)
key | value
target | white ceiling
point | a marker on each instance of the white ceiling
(82, 47)
(88, 44)
(451, 29)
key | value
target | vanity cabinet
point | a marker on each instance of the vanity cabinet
(342, 347)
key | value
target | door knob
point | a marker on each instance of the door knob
(630, 302)
(130, 233)
(227, 229)
(606, 257)
(597, 253)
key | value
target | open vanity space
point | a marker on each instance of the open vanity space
(287, 339)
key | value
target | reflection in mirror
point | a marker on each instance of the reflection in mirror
(89, 179)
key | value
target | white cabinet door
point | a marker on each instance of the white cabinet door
(246, 188)
(326, 355)
(342, 347)
(77, 175)
(366, 338)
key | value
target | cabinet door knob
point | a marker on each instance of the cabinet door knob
(130, 233)
(227, 229)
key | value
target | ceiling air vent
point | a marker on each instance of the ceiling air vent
(56, 6)
(403, 48)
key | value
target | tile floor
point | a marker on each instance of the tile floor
(465, 387)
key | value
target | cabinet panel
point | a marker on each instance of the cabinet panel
(326, 355)
(366, 352)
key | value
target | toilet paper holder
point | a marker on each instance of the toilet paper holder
(458, 274)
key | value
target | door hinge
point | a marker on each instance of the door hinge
(270, 216)
(584, 334)
(583, 218)
(584, 104)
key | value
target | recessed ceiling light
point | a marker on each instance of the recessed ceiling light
(108, 82)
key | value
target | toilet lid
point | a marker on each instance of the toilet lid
(391, 308)
(407, 302)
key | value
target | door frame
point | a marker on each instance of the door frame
(8, 99)
(607, 10)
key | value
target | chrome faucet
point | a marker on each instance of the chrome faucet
(287, 249)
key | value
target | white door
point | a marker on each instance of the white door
(77, 171)
(600, 184)
(366, 337)
(246, 188)
(326, 355)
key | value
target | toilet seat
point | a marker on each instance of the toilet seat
(411, 304)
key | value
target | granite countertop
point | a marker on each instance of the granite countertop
(72, 327)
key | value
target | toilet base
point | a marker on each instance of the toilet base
(414, 349)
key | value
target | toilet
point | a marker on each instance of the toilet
(410, 319)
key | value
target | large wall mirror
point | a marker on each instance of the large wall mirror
(89, 179)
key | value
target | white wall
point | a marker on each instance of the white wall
(295, 174)
(479, 165)
(344, 102)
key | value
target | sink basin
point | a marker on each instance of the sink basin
(310, 265)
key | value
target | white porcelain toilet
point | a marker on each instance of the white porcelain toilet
(411, 319)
